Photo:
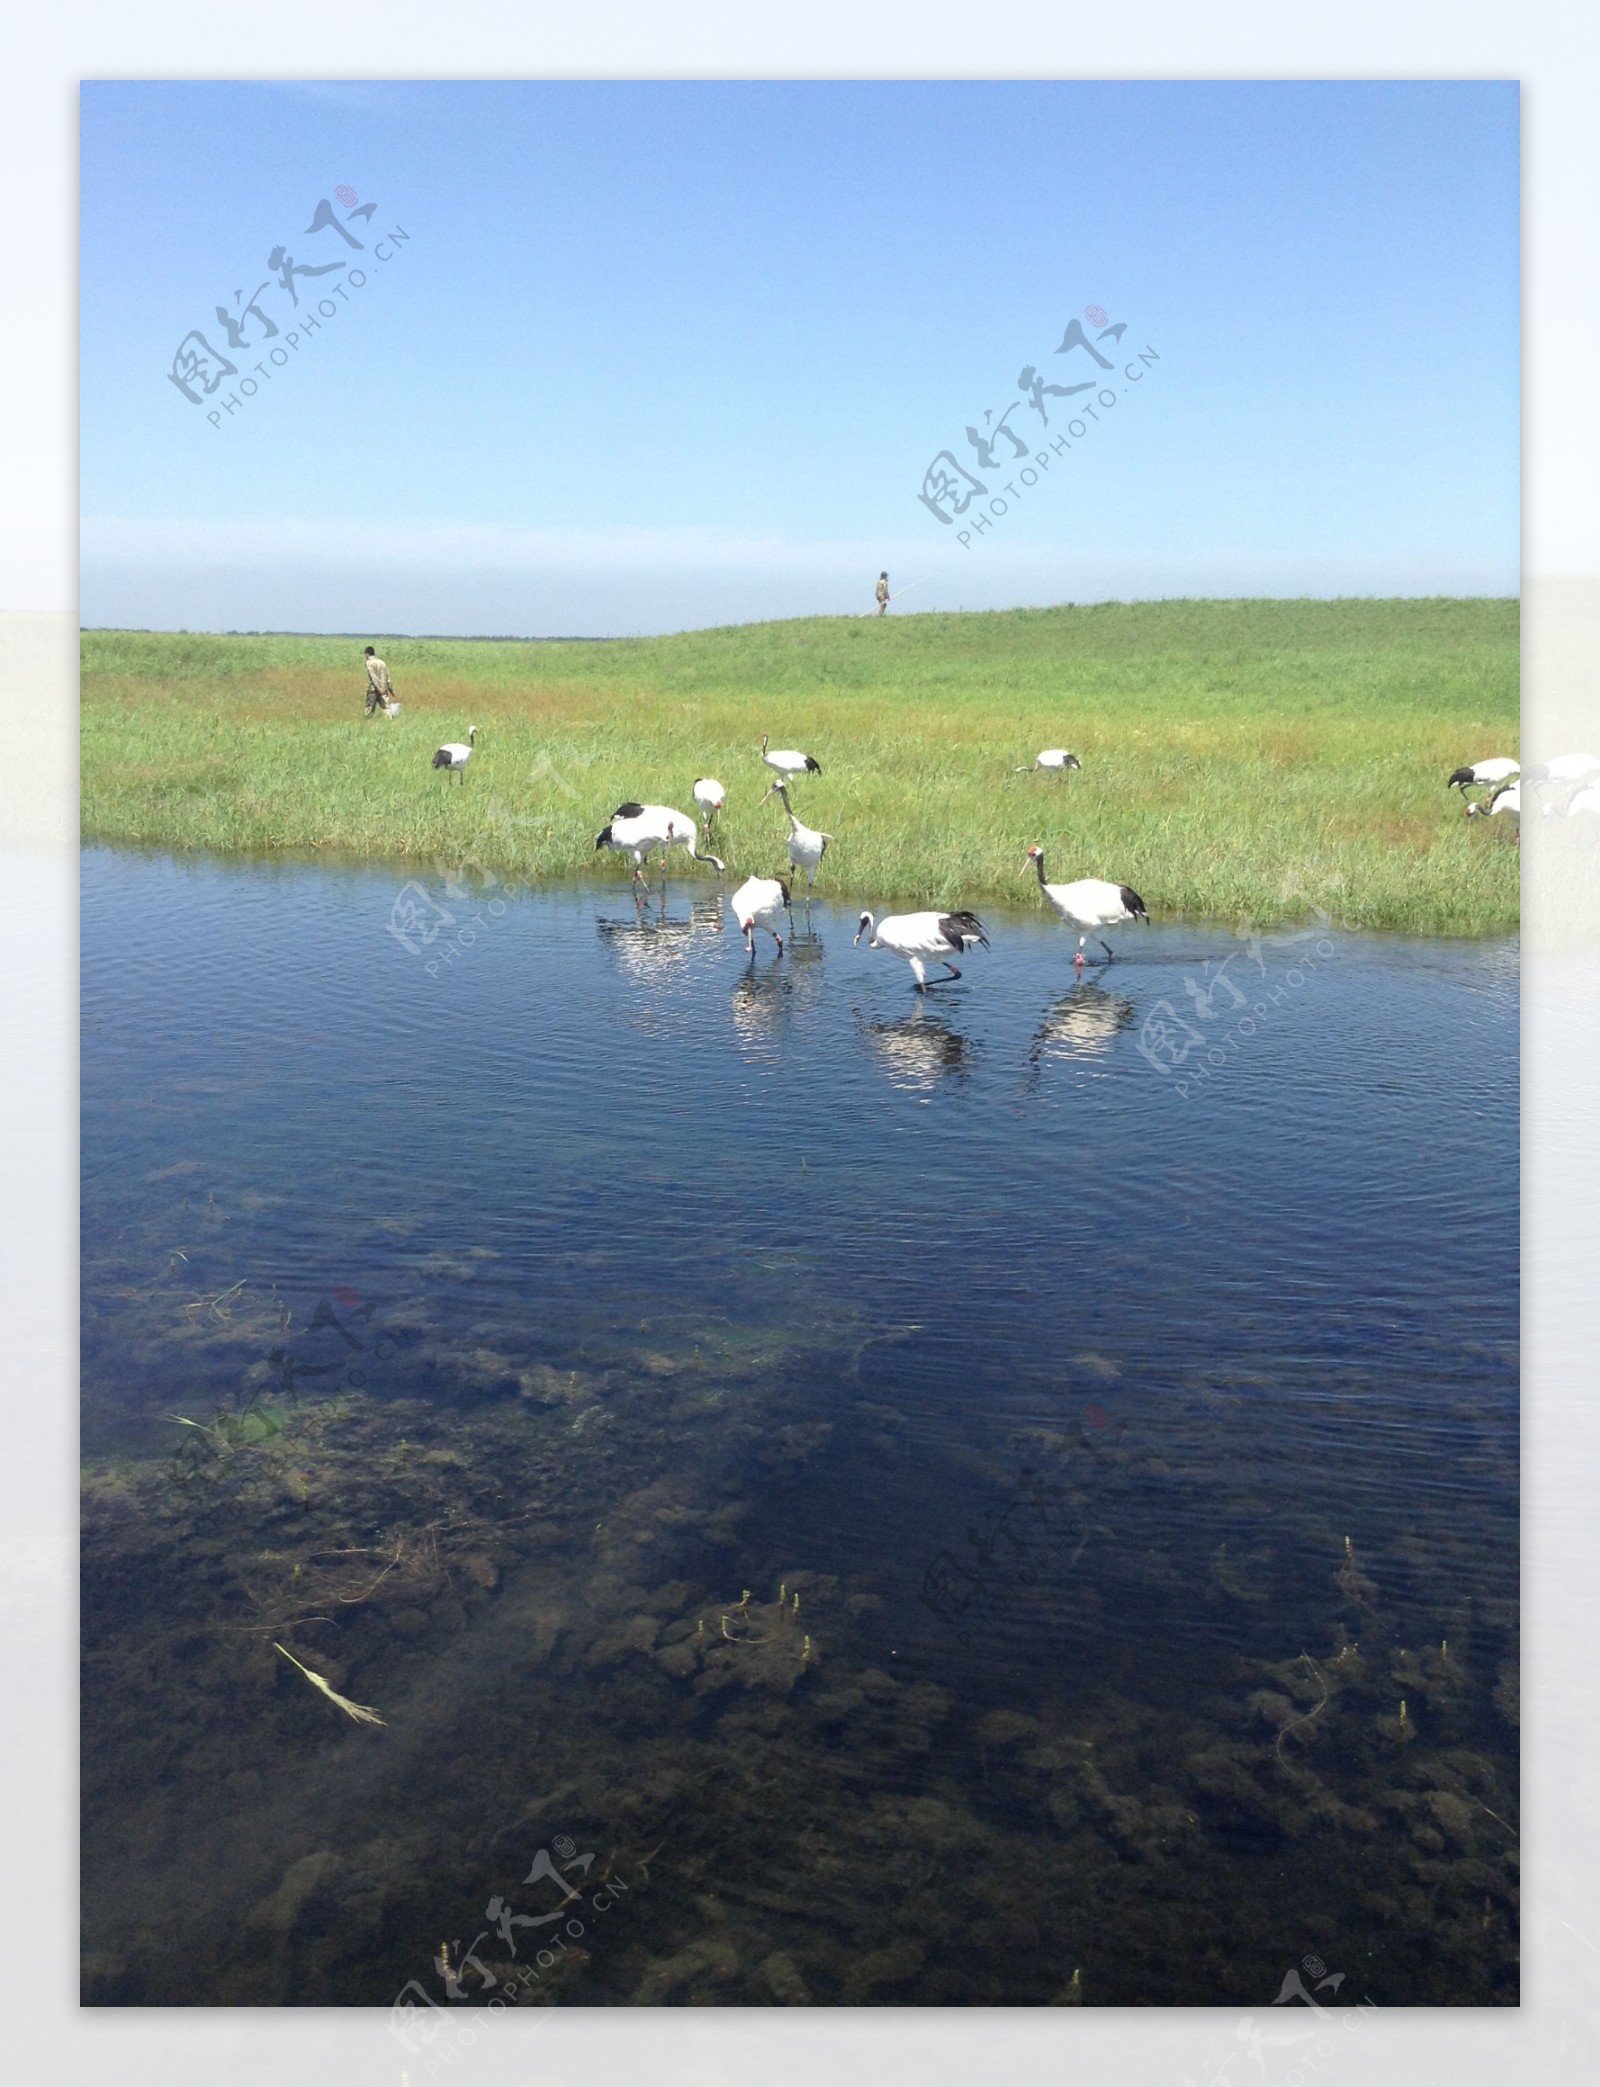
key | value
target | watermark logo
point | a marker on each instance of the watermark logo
(1254, 2042)
(426, 927)
(501, 1977)
(1170, 1039)
(950, 485)
(199, 370)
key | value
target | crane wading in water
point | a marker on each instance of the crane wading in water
(923, 939)
(1090, 904)
(760, 902)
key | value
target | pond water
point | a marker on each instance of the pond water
(1005, 1496)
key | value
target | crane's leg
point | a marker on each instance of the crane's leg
(1078, 959)
(954, 973)
(776, 938)
(919, 973)
(1106, 946)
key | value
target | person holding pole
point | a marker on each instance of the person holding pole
(883, 594)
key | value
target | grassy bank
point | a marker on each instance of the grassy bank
(1241, 759)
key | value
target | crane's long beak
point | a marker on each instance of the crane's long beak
(856, 937)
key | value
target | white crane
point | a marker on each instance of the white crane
(1507, 800)
(788, 762)
(1090, 904)
(639, 829)
(923, 939)
(806, 845)
(1055, 759)
(710, 797)
(1483, 774)
(1586, 800)
(760, 902)
(453, 756)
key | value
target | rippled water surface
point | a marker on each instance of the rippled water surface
(1119, 1373)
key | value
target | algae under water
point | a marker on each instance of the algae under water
(882, 1500)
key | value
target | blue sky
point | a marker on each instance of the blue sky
(659, 356)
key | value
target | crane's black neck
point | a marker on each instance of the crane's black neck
(1038, 863)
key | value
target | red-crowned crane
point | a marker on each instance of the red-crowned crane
(806, 845)
(1483, 774)
(709, 797)
(760, 902)
(923, 939)
(1504, 802)
(453, 756)
(1055, 759)
(639, 829)
(788, 762)
(1090, 904)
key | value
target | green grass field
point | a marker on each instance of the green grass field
(1241, 759)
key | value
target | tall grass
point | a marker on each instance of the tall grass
(1241, 758)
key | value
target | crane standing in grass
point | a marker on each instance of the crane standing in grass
(709, 797)
(1055, 760)
(453, 756)
(1505, 803)
(639, 829)
(806, 845)
(789, 761)
(1483, 774)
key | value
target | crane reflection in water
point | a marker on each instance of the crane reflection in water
(766, 997)
(1081, 1027)
(919, 1050)
(650, 946)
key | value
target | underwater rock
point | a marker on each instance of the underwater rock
(781, 1975)
(1453, 1815)
(891, 1965)
(634, 1634)
(1242, 1578)
(796, 1444)
(1005, 1727)
(299, 1884)
(702, 1966)
(1276, 1710)
(670, 1600)
(1508, 1692)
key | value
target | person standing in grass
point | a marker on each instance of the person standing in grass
(883, 594)
(380, 690)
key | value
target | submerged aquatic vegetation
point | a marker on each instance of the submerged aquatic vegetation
(362, 1713)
